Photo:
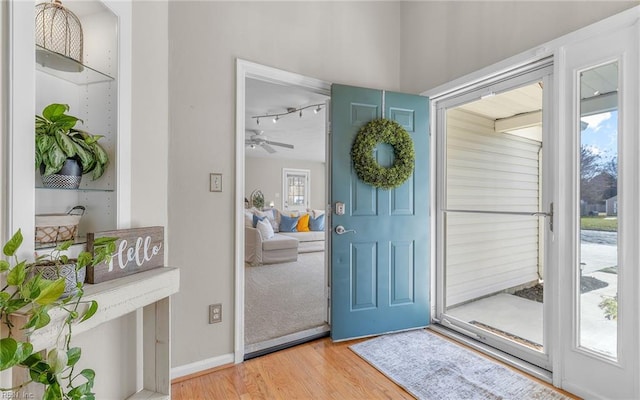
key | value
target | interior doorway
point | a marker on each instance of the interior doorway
(285, 198)
(495, 216)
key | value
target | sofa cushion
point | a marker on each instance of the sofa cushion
(288, 224)
(303, 223)
(305, 236)
(279, 242)
(265, 229)
(317, 223)
(257, 219)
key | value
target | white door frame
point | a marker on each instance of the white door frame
(247, 69)
(557, 122)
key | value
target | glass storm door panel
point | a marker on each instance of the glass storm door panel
(495, 216)
(598, 271)
(598, 284)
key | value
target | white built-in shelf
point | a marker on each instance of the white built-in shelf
(80, 189)
(67, 68)
(116, 298)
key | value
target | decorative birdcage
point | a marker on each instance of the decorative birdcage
(59, 30)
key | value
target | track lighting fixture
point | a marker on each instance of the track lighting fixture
(290, 110)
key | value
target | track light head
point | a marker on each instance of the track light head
(317, 110)
(258, 121)
(276, 119)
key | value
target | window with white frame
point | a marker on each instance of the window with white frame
(295, 189)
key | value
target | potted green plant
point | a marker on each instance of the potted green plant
(27, 291)
(63, 152)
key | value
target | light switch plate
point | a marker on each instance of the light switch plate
(215, 182)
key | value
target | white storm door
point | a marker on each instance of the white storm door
(598, 232)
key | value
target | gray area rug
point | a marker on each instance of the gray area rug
(281, 299)
(433, 368)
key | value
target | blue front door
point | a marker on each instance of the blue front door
(380, 271)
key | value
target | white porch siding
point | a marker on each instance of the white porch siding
(489, 171)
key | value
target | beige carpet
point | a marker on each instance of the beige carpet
(281, 299)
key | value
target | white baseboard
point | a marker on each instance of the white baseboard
(188, 369)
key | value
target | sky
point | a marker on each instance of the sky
(601, 135)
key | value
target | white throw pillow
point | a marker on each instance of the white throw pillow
(265, 229)
(248, 219)
(315, 213)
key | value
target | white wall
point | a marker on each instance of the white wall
(357, 43)
(266, 174)
(443, 40)
(489, 171)
(352, 42)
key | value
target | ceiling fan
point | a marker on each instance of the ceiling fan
(258, 139)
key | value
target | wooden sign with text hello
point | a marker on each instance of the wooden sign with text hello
(137, 250)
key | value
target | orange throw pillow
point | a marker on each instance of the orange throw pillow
(303, 223)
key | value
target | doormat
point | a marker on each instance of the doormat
(430, 368)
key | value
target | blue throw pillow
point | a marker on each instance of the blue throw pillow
(316, 224)
(257, 219)
(288, 224)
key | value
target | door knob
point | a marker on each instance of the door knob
(341, 231)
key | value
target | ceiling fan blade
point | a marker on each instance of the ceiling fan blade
(268, 148)
(287, 145)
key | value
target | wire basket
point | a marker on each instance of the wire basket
(51, 228)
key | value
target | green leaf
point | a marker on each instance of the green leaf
(52, 111)
(31, 360)
(93, 307)
(90, 139)
(56, 158)
(53, 392)
(13, 352)
(43, 143)
(86, 157)
(73, 355)
(8, 348)
(98, 171)
(101, 154)
(89, 374)
(65, 122)
(13, 244)
(14, 305)
(57, 359)
(51, 292)
(66, 144)
(4, 266)
(101, 241)
(4, 296)
(84, 259)
(65, 245)
(16, 276)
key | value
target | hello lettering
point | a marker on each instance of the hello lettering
(141, 252)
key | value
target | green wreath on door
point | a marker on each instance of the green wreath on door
(367, 168)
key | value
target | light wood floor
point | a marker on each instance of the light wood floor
(316, 370)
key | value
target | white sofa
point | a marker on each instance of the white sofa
(278, 249)
(282, 246)
(308, 241)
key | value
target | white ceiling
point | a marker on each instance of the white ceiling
(306, 133)
(518, 101)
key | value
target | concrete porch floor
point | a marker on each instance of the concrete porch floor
(524, 318)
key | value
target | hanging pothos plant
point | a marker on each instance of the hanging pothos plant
(367, 168)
